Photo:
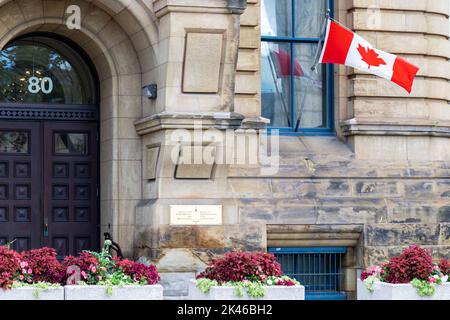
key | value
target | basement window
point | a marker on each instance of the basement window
(319, 269)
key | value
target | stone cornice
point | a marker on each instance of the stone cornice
(162, 7)
(207, 120)
(391, 128)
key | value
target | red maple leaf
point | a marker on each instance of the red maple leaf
(370, 57)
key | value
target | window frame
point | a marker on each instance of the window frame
(300, 253)
(328, 129)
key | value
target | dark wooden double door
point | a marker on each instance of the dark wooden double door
(49, 185)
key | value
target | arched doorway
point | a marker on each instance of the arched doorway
(49, 133)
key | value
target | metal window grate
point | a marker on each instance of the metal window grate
(318, 269)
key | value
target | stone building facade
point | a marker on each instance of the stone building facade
(377, 183)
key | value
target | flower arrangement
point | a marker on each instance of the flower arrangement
(40, 268)
(103, 269)
(244, 271)
(415, 266)
(35, 268)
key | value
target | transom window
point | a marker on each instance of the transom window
(296, 99)
(43, 70)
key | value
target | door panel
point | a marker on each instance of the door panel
(20, 184)
(70, 186)
(49, 185)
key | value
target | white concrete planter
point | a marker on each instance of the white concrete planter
(153, 292)
(30, 293)
(227, 293)
(388, 291)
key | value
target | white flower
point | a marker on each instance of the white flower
(444, 279)
(436, 276)
(269, 282)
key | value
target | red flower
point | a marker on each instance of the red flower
(44, 265)
(240, 266)
(84, 261)
(9, 265)
(138, 271)
(444, 266)
(413, 262)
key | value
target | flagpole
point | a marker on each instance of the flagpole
(316, 63)
(272, 68)
(322, 39)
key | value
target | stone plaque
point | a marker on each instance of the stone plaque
(202, 62)
(195, 215)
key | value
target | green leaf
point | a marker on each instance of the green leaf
(423, 287)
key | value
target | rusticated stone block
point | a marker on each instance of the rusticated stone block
(413, 211)
(444, 238)
(440, 252)
(377, 189)
(283, 210)
(444, 214)
(207, 236)
(437, 251)
(356, 214)
(351, 210)
(418, 189)
(443, 189)
(391, 234)
(375, 255)
(310, 188)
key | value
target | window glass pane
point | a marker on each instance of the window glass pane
(34, 72)
(276, 83)
(276, 18)
(309, 18)
(71, 143)
(13, 142)
(308, 88)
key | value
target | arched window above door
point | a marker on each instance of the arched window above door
(45, 71)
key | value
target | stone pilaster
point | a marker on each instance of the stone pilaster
(248, 76)
(198, 45)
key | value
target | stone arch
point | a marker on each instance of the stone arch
(120, 39)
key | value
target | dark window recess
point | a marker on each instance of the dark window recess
(14, 142)
(318, 269)
(71, 143)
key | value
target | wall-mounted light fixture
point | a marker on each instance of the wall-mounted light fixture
(150, 91)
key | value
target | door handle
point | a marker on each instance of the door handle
(45, 227)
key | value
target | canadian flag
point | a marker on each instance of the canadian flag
(284, 64)
(343, 46)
